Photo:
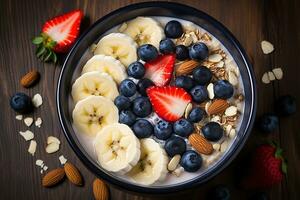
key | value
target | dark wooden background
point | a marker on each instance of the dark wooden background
(250, 21)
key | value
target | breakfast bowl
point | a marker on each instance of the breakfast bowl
(236, 118)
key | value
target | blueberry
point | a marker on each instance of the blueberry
(127, 88)
(184, 82)
(122, 102)
(21, 103)
(286, 105)
(223, 89)
(147, 52)
(182, 52)
(127, 117)
(268, 123)
(212, 131)
(175, 145)
(183, 127)
(163, 130)
(143, 84)
(142, 128)
(202, 75)
(142, 107)
(136, 70)
(259, 196)
(220, 192)
(173, 29)
(191, 161)
(196, 115)
(199, 93)
(167, 46)
(198, 51)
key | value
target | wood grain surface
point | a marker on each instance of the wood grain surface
(249, 20)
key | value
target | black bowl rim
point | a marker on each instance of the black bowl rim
(231, 155)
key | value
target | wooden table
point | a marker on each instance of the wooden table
(249, 20)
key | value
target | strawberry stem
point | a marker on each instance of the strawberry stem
(45, 47)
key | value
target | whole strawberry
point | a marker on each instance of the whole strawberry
(58, 35)
(267, 168)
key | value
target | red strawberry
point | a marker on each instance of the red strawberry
(58, 35)
(168, 102)
(267, 167)
(160, 70)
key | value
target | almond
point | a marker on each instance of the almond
(186, 67)
(100, 190)
(73, 174)
(201, 145)
(53, 177)
(218, 106)
(30, 78)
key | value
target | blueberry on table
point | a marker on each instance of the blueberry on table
(202, 75)
(122, 102)
(268, 123)
(199, 93)
(182, 52)
(163, 130)
(143, 84)
(142, 128)
(191, 161)
(183, 127)
(184, 82)
(167, 46)
(21, 103)
(286, 105)
(212, 131)
(127, 88)
(136, 70)
(142, 107)
(147, 52)
(198, 51)
(220, 192)
(223, 89)
(173, 29)
(127, 117)
(196, 115)
(175, 145)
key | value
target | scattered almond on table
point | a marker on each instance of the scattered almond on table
(100, 190)
(73, 174)
(53, 177)
(30, 79)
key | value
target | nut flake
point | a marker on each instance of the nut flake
(174, 162)
(39, 162)
(216, 146)
(271, 76)
(52, 139)
(28, 121)
(188, 109)
(210, 90)
(232, 78)
(267, 47)
(231, 111)
(216, 118)
(224, 146)
(265, 78)
(62, 160)
(278, 73)
(123, 27)
(19, 117)
(38, 122)
(52, 148)
(27, 135)
(220, 64)
(232, 133)
(215, 58)
(45, 168)
(37, 100)
(32, 147)
(177, 172)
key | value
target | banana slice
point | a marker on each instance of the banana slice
(152, 165)
(119, 46)
(94, 83)
(145, 30)
(106, 64)
(117, 148)
(91, 114)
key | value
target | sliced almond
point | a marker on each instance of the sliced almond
(231, 111)
(265, 78)
(188, 40)
(267, 47)
(39, 162)
(37, 100)
(228, 129)
(210, 90)
(207, 105)
(19, 117)
(62, 160)
(216, 118)
(177, 172)
(32, 147)
(52, 139)
(218, 106)
(38, 122)
(186, 67)
(172, 165)
(215, 58)
(278, 73)
(187, 110)
(232, 78)
(194, 37)
(52, 148)
(27, 135)
(216, 146)
(28, 121)
(232, 133)
(220, 64)
(224, 146)
(271, 76)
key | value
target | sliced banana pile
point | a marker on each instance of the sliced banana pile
(117, 148)
(152, 165)
(145, 30)
(107, 64)
(118, 45)
(94, 83)
(91, 114)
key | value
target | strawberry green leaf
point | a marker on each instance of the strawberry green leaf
(278, 153)
(54, 57)
(40, 51)
(48, 56)
(284, 167)
(37, 40)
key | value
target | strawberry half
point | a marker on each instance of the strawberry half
(58, 35)
(160, 70)
(169, 102)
